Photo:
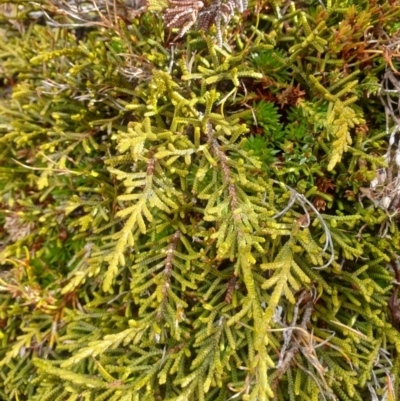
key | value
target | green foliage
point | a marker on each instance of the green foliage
(267, 117)
(262, 149)
(268, 63)
(191, 221)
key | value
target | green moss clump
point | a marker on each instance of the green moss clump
(209, 217)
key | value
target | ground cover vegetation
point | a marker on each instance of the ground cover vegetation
(199, 200)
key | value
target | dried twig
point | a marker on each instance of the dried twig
(183, 14)
(303, 201)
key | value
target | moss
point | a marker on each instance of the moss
(193, 215)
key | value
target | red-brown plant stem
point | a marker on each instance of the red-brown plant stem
(226, 170)
(168, 268)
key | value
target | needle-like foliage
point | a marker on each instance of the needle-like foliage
(199, 200)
